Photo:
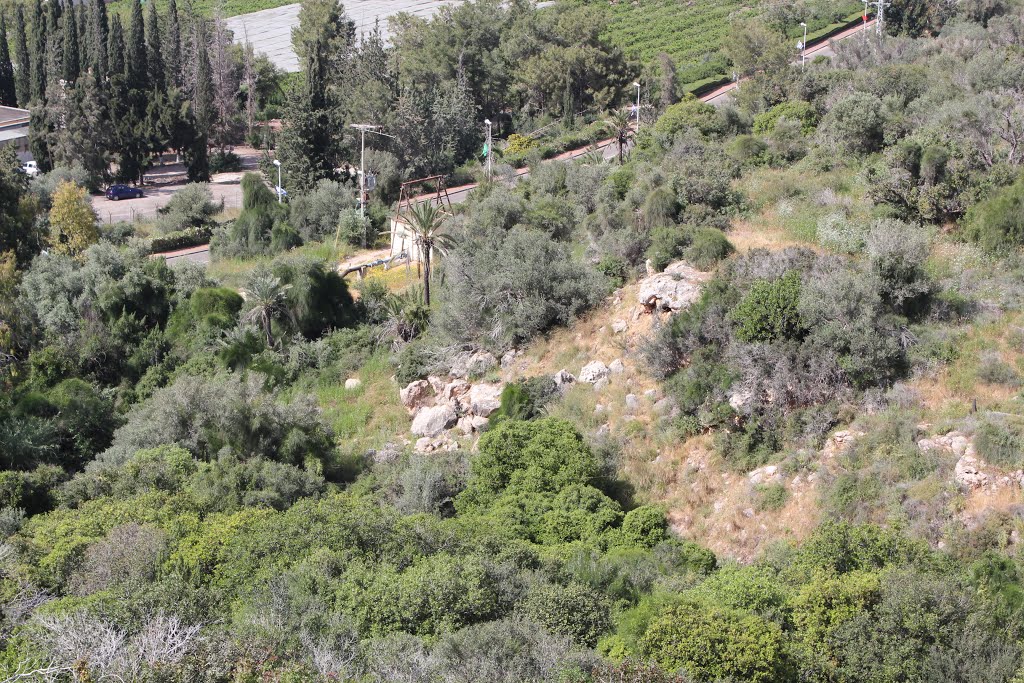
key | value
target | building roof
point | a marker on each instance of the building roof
(12, 116)
(13, 133)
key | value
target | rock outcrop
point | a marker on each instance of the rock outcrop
(675, 288)
(431, 421)
(563, 379)
(593, 372)
(416, 395)
(473, 364)
(438, 406)
(484, 399)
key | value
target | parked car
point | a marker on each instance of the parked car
(118, 192)
(30, 168)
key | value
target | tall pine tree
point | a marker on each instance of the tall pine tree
(135, 57)
(202, 101)
(84, 36)
(71, 63)
(115, 49)
(307, 147)
(100, 32)
(54, 43)
(8, 89)
(87, 136)
(37, 58)
(21, 80)
(154, 56)
(172, 46)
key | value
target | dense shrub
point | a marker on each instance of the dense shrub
(574, 611)
(315, 214)
(856, 123)
(897, 253)
(644, 526)
(997, 223)
(208, 309)
(317, 297)
(190, 207)
(703, 248)
(525, 399)
(1001, 443)
(253, 232)
(708, 247)
(502, 289)
(542, 456)
(713, 643)
(100, 315)
(205, 416)
(225, 162)
(770, 310)
(690, 114)
(793, 110)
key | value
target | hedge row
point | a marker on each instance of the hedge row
(182, 239)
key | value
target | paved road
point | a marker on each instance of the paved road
(608, 148)
(199, 255)
(722, 95)
(270, 30)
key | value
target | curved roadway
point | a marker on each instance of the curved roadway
(458, 194)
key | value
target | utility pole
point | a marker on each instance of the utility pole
(865, 29)
(490, 146)
(278, 189)
(637, 85)
(803, 47)
(363, 129)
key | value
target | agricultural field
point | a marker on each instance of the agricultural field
(693, 32)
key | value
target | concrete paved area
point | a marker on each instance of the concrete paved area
(200, 255)
(226, 188)
(270, 31)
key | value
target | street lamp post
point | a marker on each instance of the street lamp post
(490, 146)
(803, 46)
(636, 84)
(277, 163)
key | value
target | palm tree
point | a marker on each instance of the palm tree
(266, 297)
(620, 127)
(407, 316)
(426, 223)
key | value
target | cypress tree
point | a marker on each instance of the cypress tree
(21, 54)
(172, 49)
(71, 63)
(154, 55)
(54, 42)
(135, 55)
(84, 36)
(38, 137)
(203, 98)
(8, 89)
(37, 78)
(115, 48)
(100, 36)
(307, 146)
(85, 137)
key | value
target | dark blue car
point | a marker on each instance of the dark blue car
(117, 192)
